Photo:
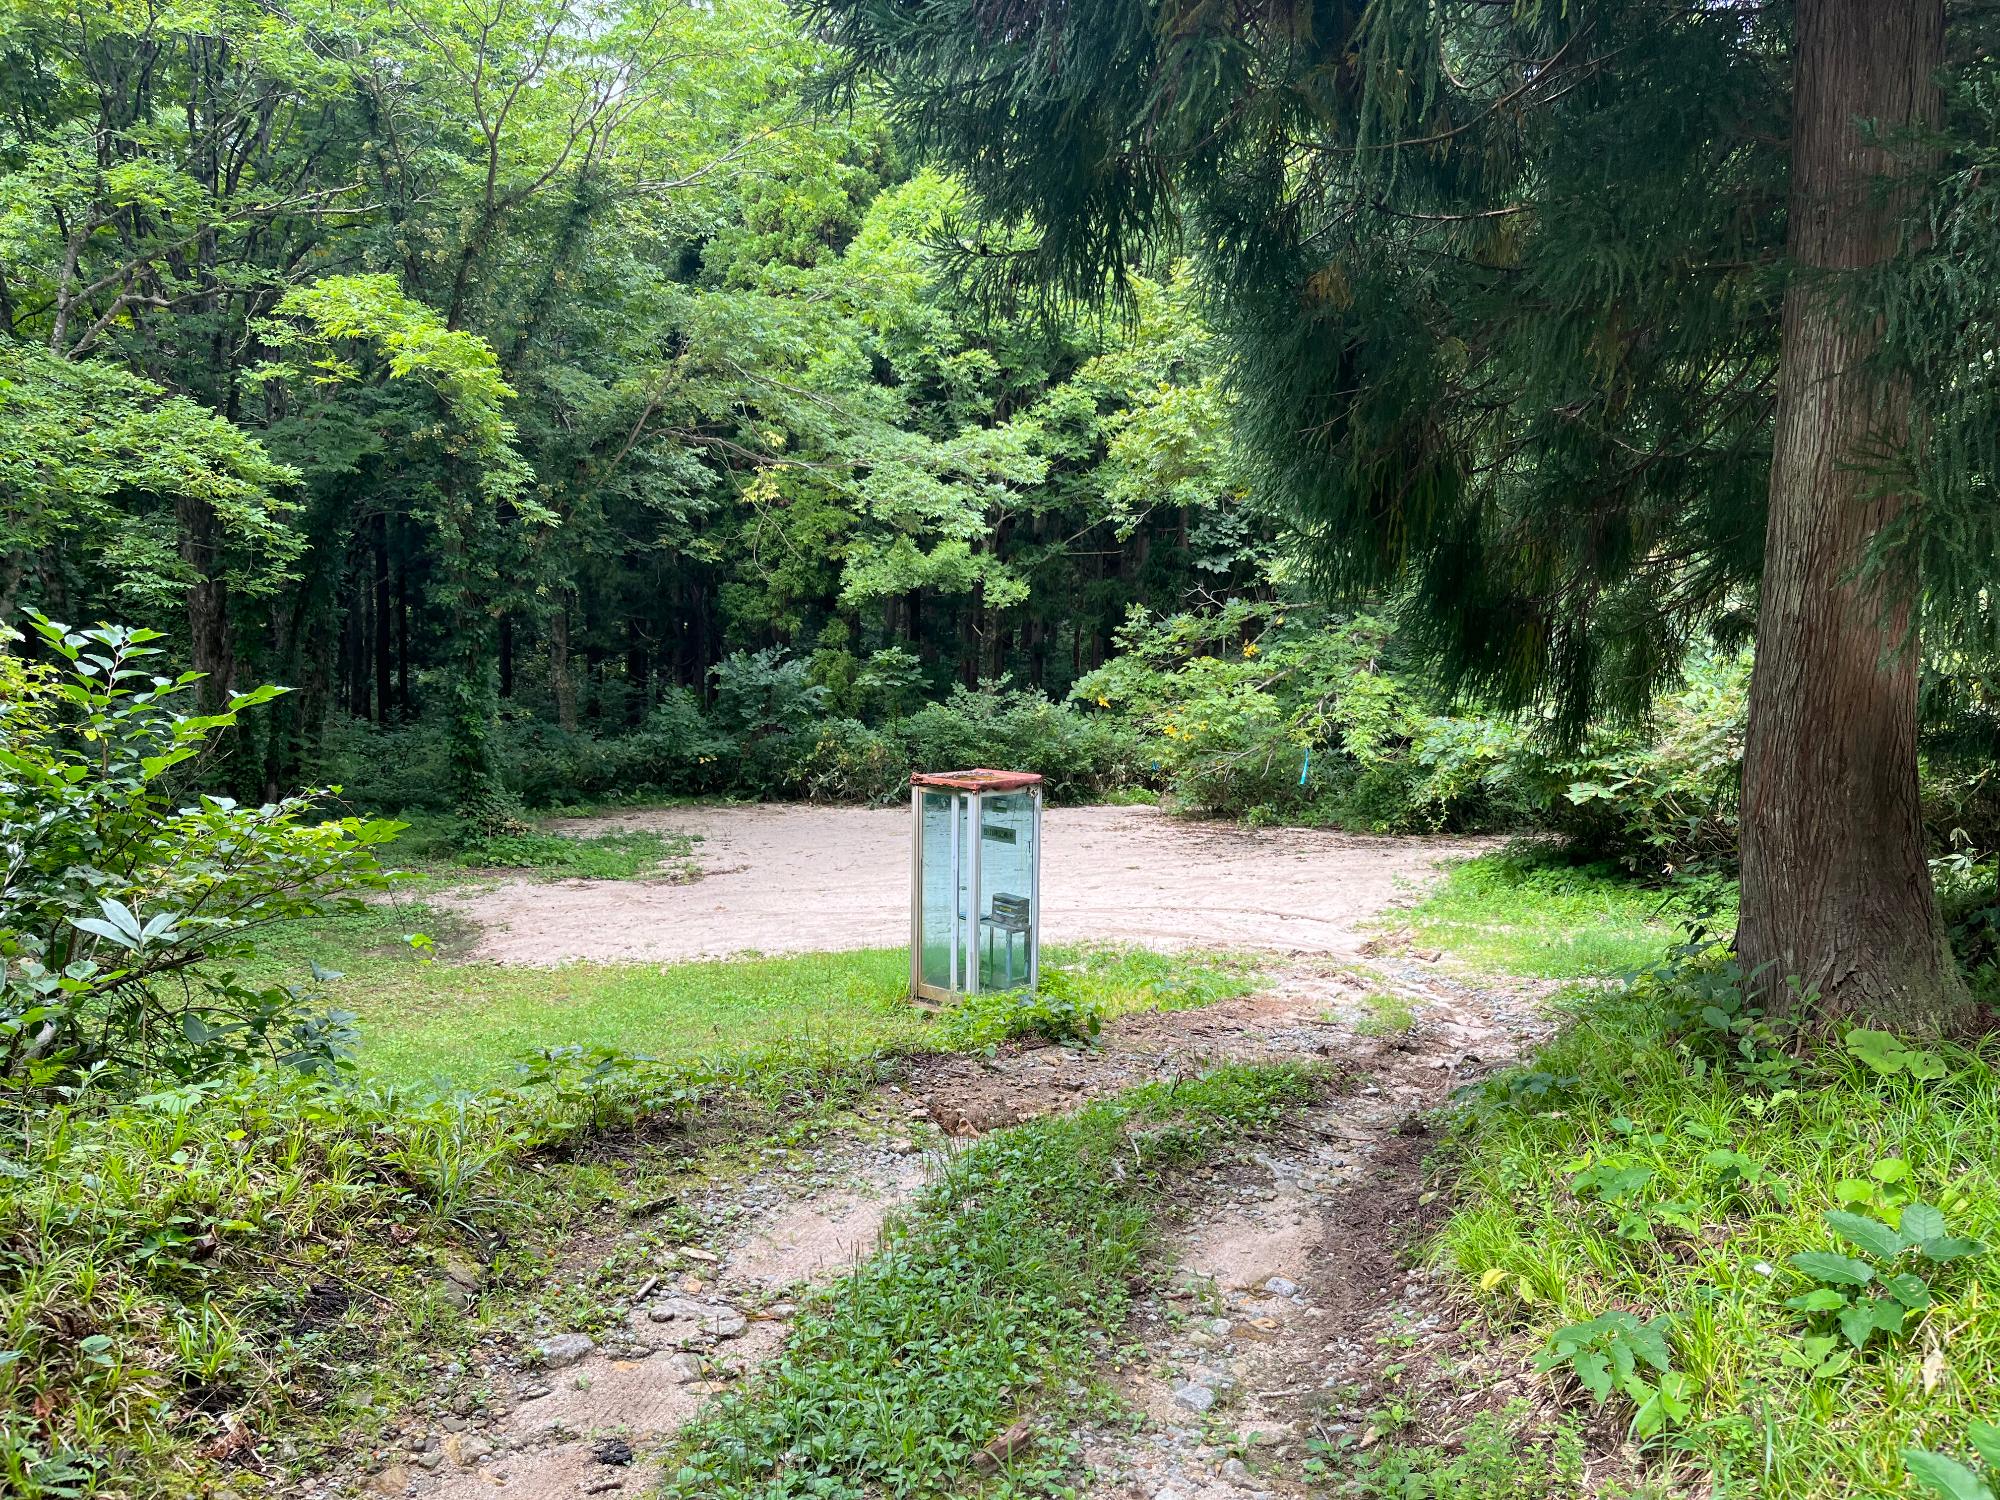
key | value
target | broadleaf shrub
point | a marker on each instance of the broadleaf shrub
(124, 903)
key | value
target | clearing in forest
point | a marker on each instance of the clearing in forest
(781, 878)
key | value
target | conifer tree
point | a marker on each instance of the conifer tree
(1583, 325)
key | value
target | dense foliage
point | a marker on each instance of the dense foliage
(428, 363)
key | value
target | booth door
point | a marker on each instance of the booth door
(946, 890)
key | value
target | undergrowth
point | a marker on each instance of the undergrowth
(1530, 911)
(1000, 1286)
(205, 1269)
(1778, 1269)
(200, 1273)
(1498, 1457)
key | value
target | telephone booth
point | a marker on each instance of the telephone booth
(975, 883)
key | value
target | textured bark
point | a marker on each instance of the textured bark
(1837, 894)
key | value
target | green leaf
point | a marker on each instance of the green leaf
(1921, 1222)
(1594, 1371)
(1909, 1289)
(1946, 1247)
(1878, 1049)
(1858, 1323)
(1944, 1476)
(1822, 1299)
(1986, 1439)
(1870, 1235)
(1825, 1265)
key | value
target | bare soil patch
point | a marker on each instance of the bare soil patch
(778, 878)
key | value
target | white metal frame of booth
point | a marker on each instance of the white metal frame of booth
(969, 918)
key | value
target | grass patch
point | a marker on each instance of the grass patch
(272, 1248)
(1002, 1281)
(265, 1254)
(1499, 1457)
(1388, 1015)
(422, 1021)
(436, 843)
(1636, 1170)
(1528, 912)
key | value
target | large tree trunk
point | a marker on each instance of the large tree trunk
(1837, 897)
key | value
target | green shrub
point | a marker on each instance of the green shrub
(124, 905)
(1662, 797)
(1277, 713)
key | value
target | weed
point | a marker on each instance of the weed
(1388, 1015)
(1946, 1477)
(1644, 1161)
(1497, 1458)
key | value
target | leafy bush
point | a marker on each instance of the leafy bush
(1660, 797)
(764, 738)
(123, 906)
(1059, 1011)
(1277, 713)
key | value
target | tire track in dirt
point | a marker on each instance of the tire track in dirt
(567, 1415)
(1292, 1313)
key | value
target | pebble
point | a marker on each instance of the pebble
(682, 1369)
(1195, 1397)
(566, 1349)
(1238, 1472)
(1279, 1286)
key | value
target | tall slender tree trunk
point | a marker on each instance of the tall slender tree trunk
(212, 651)
(1837, 896)
(384, 608)
(562, 681)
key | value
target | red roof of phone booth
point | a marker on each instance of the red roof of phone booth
(979, 780)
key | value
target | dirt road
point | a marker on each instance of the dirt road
(791, 879)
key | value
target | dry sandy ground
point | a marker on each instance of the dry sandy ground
(791, 879)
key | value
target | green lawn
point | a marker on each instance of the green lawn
(1527, 912)
(423, 1020)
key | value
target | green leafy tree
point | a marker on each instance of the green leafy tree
(476, 490)
(1586, 326)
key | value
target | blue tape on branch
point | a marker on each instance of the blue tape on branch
(1307, 767)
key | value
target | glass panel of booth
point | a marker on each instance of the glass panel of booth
(1006, 890)
(940, 935)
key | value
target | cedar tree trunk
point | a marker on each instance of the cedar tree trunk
(1837, 896)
